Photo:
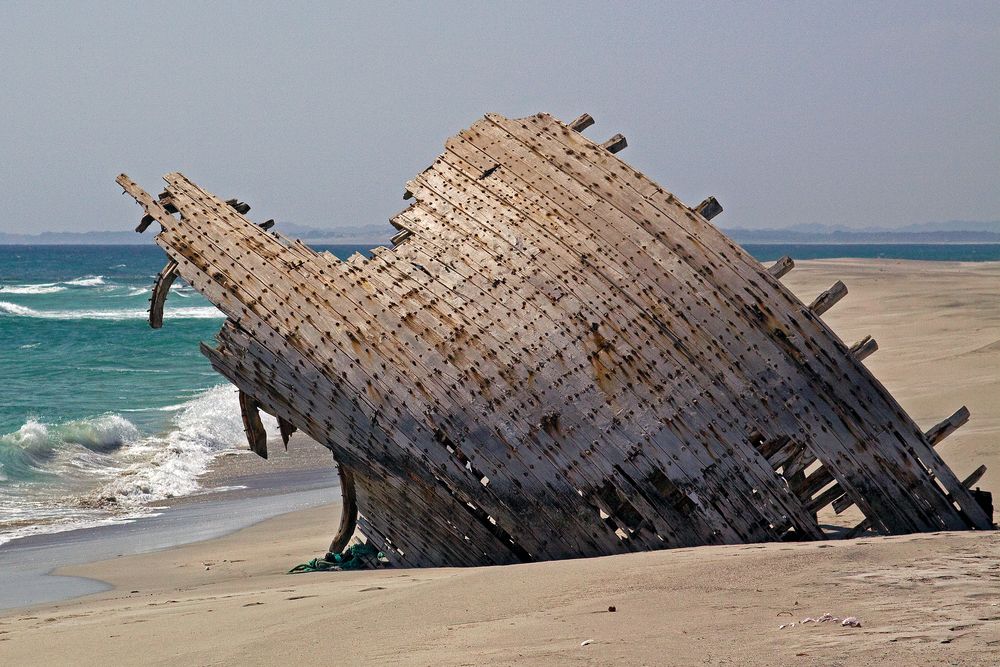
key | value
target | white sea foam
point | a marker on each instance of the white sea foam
(137, 291)
(192, 313)
(103, 470)
(52, 288)
(86, 281)
(170, 465)
(41, 288)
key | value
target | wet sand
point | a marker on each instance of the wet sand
(240, 490)
(923, 599)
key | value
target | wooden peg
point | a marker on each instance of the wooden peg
(144, 224)
(941, 431)
(709, 208)
(781, 267)
(615, 143)
(864, 348)
(582, 123)
(827, 299)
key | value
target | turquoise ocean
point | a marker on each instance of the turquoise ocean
(101, 416)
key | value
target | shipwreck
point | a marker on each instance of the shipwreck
(556, 358)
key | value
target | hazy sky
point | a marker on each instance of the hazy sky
(790, 113)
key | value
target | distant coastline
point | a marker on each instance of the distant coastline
(372, 235)
(944, 233)
(849, 237)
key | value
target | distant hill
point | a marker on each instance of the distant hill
(954, 231)
(344, 235)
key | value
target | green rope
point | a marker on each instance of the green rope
(355, 557)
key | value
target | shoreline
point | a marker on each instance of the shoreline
(238, 491)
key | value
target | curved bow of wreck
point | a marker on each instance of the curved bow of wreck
(556, 358)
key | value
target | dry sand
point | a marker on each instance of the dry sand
(924, 599)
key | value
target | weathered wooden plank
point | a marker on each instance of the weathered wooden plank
(161, 288)
(348, 511)
(974, 477)
(615, 143)
(826, 300)
(256, 435)
(709, 208)
(782, 266)
(864, 348)
(942, 430)
(582, 122)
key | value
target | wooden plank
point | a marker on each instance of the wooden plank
(161, 288)
(582, 122)
(615, 143)
(948, 426)
(782, 266)
(252, 425)
(864, 348)
(826, 300)
(348, 511)
(709, 208)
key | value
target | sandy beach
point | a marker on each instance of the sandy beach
(921, 599)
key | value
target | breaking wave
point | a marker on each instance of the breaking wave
(52, 288)
(194, 313)
(87, 472)
(41, 288)
(86, 281)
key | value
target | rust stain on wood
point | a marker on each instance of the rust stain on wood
(556, 358)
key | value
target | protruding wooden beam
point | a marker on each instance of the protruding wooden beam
(254, 427)
(948, 426)
(348, 511)
(615, 143)
(155, 210)
(864, 348)
(976, 475)
(582, 123)
(781, 267)
(827, 299)
(144, 224)
(240, 207)
(400, 237)
(709, 208)
(160, 290)
(286, 428)
(825, 498)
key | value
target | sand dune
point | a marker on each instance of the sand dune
(921, 599)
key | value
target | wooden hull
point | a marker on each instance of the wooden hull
(556, 359)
